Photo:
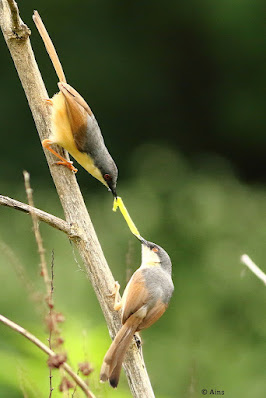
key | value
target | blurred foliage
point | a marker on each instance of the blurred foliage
(213, 334)
(178, 90)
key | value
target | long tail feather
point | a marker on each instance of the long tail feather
(49, 46)
(114, 357)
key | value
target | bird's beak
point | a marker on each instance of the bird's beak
(142, 240)
(113, 190)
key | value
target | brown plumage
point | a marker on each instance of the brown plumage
(113, 359)
(74, 126)
(144, 301)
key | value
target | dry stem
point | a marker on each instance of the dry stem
(55, 222)
(245, 259)
(51, 301)
(68, 190)
(36, 230)
(49, 352)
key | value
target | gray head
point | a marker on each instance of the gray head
(110, 173)
(106, 165)
(89, 139)
(155, 254)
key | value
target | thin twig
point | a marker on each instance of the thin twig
(20, 30)
(51, 302)
(48, 218)
(245, 259)
(38, 237)
(75, 388)
(49, 282)
(48, 351)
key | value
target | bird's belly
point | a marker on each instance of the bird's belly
(61, 130)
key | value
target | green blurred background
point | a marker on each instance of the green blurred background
(178, 89)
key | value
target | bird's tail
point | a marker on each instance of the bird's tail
(49, 46)
(114, 357)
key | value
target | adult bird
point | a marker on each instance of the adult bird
(74, 127)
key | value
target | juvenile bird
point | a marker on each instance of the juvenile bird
(144, 301)
(74, 126)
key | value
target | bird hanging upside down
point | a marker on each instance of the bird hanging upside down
(144, 301)
(74, 126)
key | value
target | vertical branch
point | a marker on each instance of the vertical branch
(17, 39)
(38, 237)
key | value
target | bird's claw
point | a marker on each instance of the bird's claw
(68, 164)
(115, 290)
(48, 101)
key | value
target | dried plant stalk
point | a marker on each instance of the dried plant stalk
(16, 34)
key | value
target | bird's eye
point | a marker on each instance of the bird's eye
(155, 249)
(107, 177)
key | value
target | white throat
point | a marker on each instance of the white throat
(149, 258)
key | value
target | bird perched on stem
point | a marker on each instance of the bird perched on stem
(74, 126)
(144, 301)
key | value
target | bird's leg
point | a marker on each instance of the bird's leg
(48, 101)
(47, 145)
(115, 294)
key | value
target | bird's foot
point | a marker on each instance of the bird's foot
(68, 164)
(115, 290)
(115, 294)
(48, 101)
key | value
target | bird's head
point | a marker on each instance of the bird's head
(153, 255)
(110, 174)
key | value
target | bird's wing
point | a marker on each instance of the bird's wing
(83, 124)
(153, 315)
(70, 92)
(135, 295)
